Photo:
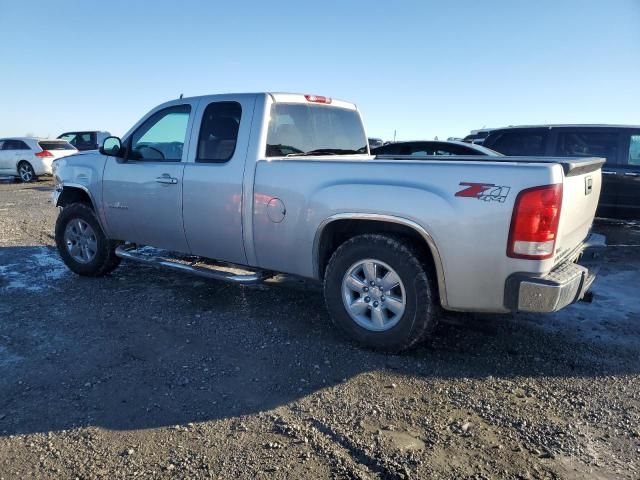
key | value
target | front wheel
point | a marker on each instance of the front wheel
(378, 291)
(82, 244)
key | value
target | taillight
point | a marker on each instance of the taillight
(317, 99)
(534, 224)
(44, 154)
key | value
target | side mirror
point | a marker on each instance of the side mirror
(111, 146)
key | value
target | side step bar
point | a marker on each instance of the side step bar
(216, 272)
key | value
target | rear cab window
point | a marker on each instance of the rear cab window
(299, 129)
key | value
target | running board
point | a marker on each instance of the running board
(226, 273)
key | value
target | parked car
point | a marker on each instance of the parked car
(85, 140)
(375, 142)
(422, 148)
(620, 145)
(284, 183)
(28, 157)
(477, 136)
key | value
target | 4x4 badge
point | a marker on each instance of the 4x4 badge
(488, 192)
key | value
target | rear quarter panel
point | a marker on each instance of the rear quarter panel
(470, 233)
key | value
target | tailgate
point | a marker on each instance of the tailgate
(580, 194)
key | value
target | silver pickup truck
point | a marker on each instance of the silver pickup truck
(239, 187)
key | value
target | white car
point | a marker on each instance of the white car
(28, 157)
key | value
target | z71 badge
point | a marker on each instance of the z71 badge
(484, 191)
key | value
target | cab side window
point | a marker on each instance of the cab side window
(161, 137)
(634, 150)
(85, 141)
(219, 132)
(589, 144)
(69, 137)
(521, 142)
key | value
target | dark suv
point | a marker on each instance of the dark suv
(620, 145)
(86, 140)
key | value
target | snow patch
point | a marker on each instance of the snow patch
(7, 358)
(52, 266)
(613, 318)
(40, 268)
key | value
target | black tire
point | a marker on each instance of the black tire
(26, 173)
(420, 314)
(105, 260)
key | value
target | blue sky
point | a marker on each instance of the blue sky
(423, 68)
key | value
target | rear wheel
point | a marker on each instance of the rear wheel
(82, 244)
(378, 291)
(26, 172)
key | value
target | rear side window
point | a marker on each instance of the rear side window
(519, 142)
(15, 145)
(588, 144)
(455, 150)
(391, 149)
(56, 146)
(298, 128)
(219, 132)
(634, 150)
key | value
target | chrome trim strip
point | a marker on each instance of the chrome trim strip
(385, 218)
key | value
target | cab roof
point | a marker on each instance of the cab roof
(283, 97)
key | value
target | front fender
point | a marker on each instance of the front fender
(84, 173)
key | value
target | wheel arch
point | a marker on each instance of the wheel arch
(337, 229)
(75, 194)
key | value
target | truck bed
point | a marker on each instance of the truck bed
(470, 234)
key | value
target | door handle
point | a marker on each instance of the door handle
(608, 172)
(631, 174)
(167, 179)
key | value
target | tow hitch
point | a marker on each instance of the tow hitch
(588, 297)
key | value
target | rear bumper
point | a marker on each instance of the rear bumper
(564, 285)
(42, 166)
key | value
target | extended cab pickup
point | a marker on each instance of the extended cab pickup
(237, 187)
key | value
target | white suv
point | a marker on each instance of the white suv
(29, 158)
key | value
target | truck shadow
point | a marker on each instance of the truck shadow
(146, 348)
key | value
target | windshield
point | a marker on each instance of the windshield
(298, 129)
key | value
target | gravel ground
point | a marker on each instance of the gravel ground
(155, 374)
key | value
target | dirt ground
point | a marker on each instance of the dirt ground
(153, 374)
